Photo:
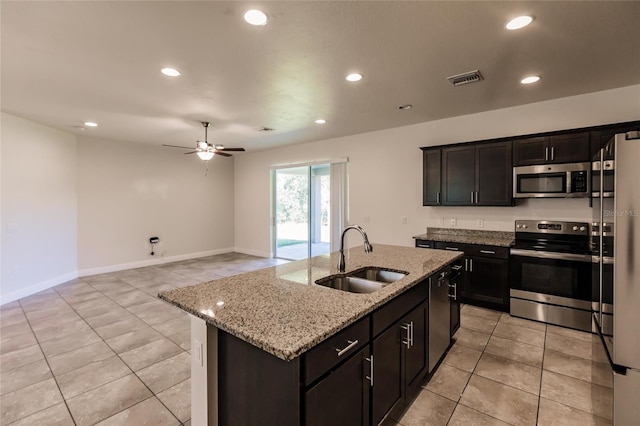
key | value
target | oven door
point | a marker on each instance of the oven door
(564, 275)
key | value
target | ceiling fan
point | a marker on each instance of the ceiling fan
(204, 149)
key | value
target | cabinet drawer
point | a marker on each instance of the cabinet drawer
(475, 249)
(335, 349)
(425, 244)
(398, 307)
(441, 245)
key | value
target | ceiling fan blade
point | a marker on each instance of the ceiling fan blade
(191, 152)
(224, 154)
(176, 146)
(231, 149)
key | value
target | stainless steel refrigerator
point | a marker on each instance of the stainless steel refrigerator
(616, 240)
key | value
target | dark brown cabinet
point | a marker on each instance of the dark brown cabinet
(599, 138)
(485, 280)
(425, 244)
(559, 148)
(477, 175)
(431, 166)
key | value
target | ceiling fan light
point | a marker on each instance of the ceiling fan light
(206, 155)
(219, 147)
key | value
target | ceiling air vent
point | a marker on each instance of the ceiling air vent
(465, 78)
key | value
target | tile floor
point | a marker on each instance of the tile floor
(103, 350)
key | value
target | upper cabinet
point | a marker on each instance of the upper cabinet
(600, 137)
(563, 148)
(431, 190)
(477, 175)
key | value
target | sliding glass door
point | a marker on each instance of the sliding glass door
(302, 211)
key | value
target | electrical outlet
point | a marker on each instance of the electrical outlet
(441, 221)
(366, 219)
(480, 223)
(453, 221)
(403, 220)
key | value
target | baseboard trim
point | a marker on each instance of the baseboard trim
(151, 262)
(36, 288)
(252, 252)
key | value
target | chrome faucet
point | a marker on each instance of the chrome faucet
(368, 248)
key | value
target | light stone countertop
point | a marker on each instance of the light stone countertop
(282, 311)
(468, 236)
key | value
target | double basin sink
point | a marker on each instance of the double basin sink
(365, 280)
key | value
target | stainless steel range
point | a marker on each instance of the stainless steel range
(551, 267)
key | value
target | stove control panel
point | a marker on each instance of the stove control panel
(552, 227)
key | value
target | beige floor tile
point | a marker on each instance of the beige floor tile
(591, 350)
(66, 317)
(508, 372)
(569, 332)
(134, 339)
(515, 351)
(428, 409)
(51, 304)
(534, 325)
(14, 343)
(114, 315)
(78, 358)
(148, 412)
(465, 416)
(553, 414)
(500, 401)
(471, 338)
(60, 330)
(105, 306)
(15, 329)
(151, 353)
(448, 382)
(69, 343)
(579, 368)
(28, 400)
(107, 400)
(26, 375)
(131, 298)
(481, 312)
(58, 415)
(594, 399)
(472, 322)
(182, 339)
(178, 400)
(15, 359)
(154, 314)
(519, 334)
(12, 317)
(167, 373)
(91, 376)
(180, 323)
(45, 314)
(461, 357)
(119, 328)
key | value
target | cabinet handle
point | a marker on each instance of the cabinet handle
(487, 251)
(456, 267)
(370, 376)
(470, 265)
(351, 345)
(466, 264)
(546, 153)
(424, 245)
(407, 328)
(411, 337)
(451, 248)
(454, 296)
(438, 198)
(472, 197)
(553, 154)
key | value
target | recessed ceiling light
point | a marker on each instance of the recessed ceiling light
(321, 121)
(170, 72)
(90, 124)
(354, 77)
(405, 106)
(255, 17)
(530, 79)
(519, 22)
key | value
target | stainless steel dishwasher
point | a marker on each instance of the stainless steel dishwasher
(439, 316)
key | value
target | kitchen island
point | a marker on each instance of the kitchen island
(255, 334)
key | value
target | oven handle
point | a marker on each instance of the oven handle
(552, 255)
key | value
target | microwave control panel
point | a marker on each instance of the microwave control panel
(579, 181)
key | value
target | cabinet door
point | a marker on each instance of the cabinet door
(387, 384)
(494, 174)
(569, 148)
(532, 151)
(431, 192)
(416, 352)
(342, 398)
(599, 138)
(458, 175)
(487, 282)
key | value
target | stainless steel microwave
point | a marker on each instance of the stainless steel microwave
(570, 180)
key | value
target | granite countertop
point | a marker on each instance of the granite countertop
(468, 236)
(282, 311)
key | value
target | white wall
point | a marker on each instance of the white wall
(385, 170)
(130, 192)
(39, 207)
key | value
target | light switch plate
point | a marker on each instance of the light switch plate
(453, 221)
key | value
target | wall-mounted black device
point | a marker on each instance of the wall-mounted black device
(153, 241)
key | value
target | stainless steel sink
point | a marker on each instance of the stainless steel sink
(379, 275)
(365, 280)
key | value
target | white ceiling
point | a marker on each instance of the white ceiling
(66, 62)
